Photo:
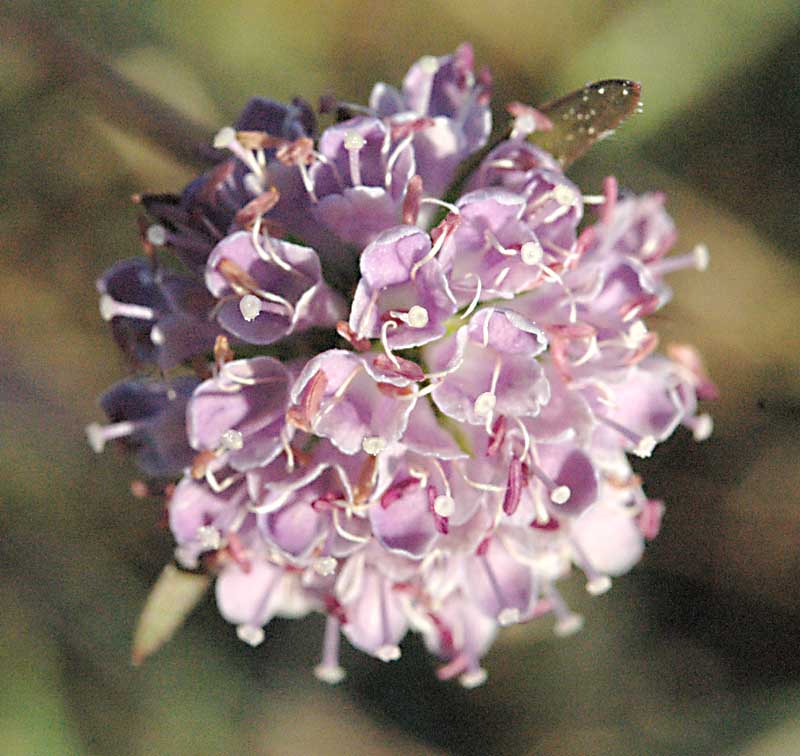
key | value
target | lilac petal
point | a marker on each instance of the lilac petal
(250, 598)
(248, 397)
(511, 165)
(497, 582)
(353, 410)
(405, 525)
(376, 620)
(358, 214)
(394, 281)
(385, 100)
(571, 468)
(610, 539)
(426, 436)
(152, 416)
(565, 417)
(489, 243)
(491, 369)
(296, 527)
(287, 286)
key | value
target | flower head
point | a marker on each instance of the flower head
(431, 420)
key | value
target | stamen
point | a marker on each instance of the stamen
(385, 341)
(99, 435)
(514, 487)
(477, 296)
(411, 202)
(558, 494)
(329, 671)
(567, 621)
(649, 519)
(416, 317)
(110, 308)
(353, 143)
(596, 584)
(439, 234)
(394, 157)
(267, 253)
(389, 651)
(698, 259)
(610, 193)
(226, 139)
(250, 634)
(642, 445)
(506, 612)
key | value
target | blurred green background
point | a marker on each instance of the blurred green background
(696, 652)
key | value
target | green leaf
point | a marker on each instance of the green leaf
(173, 596)
(583, 117)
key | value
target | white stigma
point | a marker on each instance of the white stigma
(353, 141)
(325, 566)
(388, 653)
(224, 137)
(209, 537)
(703, 427)
(508, 616)
(599, 585)
(373, 445)
(563, 194)
(637, 332)
(484, 404)
(157, 336)
(96, 437)
(560, 495)
(525, 124)
(250, 634)
(232, 440)
(417, 317)
(250, 307)
(429, 64)
(474, 678)
(645, 447)
(107, 307)
(531, 253)
(569, 624)
(330, 674)
(444, 506)
(157, 235)
(701, 257)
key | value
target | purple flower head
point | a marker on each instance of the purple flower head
(399, 424)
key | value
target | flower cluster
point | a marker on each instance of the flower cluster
(429, 419)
